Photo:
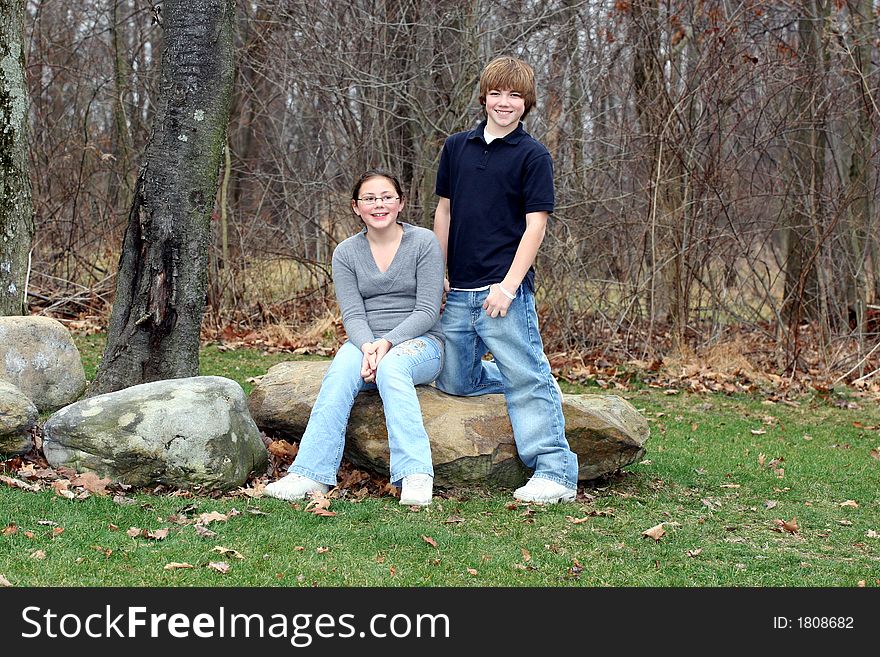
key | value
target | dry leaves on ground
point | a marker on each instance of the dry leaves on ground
(225, 550)
(790, 526)
(320, 505)
(430, 541)
(656, 532)
(4, 581)
(175, 565)
(219, 566)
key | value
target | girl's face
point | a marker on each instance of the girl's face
(378, 203)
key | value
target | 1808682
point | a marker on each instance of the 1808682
(825, 622)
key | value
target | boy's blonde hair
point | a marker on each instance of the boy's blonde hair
(509, 74)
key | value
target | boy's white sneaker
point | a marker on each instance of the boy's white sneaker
(417, 490)
(544, 491)
(294, 487)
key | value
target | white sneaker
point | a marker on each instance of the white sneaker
(294, 487)
(417, 490)
(544, 491)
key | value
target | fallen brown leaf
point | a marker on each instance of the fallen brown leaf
(225, 550)
(430, 541)
(392, 570)
(174, 565)
(322, 550)
(9, 529)
(526, 555)
(4, 581)
(17, 483)
(862, 584)
(219, 566)
(92, 483)
(472, 572)
(850, 503)
(656, 532)
(203, 531)
(134, 532)
(790, 526)
(283, 449)
(213, 516)
(37, 554)
(57, 531)
(875, 453)
(872, 534)
(158, 534)
(694, 552)
(453, 519)
(577, 521)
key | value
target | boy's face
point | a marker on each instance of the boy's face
(504, 109)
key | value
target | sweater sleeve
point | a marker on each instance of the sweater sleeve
(429, 294)
(351, 303)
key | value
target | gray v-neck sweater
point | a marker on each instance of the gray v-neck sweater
(400, 304)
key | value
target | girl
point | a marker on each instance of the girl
(389, 284)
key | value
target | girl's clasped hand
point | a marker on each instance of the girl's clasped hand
(373, 353)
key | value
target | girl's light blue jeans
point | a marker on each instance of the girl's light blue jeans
(405, 366)
(520, 371)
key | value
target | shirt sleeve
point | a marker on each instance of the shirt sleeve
(442, 186)
(351, 303)
(429, 293)
(538, 184)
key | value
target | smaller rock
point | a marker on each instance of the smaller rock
(37, 355)
(18, 415)
(185, 433)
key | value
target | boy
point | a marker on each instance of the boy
(495, 185)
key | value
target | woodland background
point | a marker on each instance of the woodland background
(715, 166)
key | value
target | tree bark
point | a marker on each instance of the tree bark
(162, 279)
(16, 208)
(807, 170)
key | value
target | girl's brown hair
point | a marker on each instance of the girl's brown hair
(375, 173)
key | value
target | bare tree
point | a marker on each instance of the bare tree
(16, 211)
(162, 279)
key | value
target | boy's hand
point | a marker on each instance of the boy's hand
(497, 303)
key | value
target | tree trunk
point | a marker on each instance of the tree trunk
(807, 169)
(162, 279)
(16, 210)
(861, 171)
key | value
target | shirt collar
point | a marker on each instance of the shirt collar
(513, 138)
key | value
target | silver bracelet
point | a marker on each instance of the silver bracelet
(506, 293)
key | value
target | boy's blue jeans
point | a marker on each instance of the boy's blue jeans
(406, 365)
(520, 371)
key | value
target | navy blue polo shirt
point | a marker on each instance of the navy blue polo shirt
(491, 188)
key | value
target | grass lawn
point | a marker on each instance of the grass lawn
(728, 477)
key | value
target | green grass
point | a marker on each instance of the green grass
(702, 477)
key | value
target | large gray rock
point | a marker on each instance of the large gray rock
(185, 433)
(18, 415)
(471, 437)
(38, 356)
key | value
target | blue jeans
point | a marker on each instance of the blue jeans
(520, 371)
(406, 365)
